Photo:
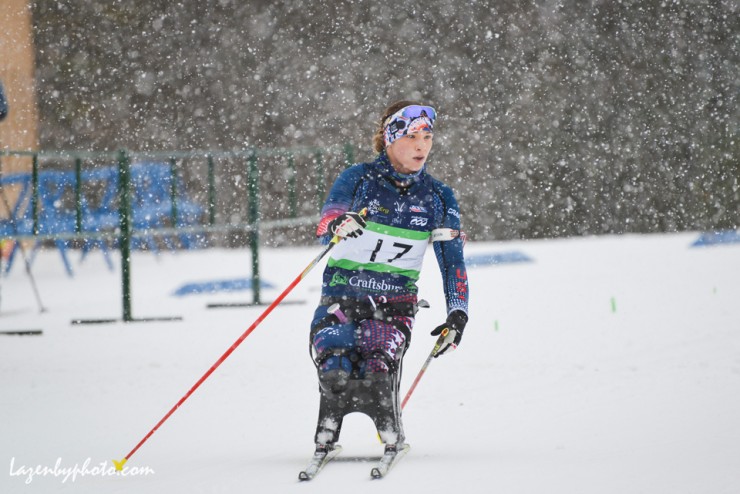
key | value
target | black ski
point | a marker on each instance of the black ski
(322, 456)
(391, 456)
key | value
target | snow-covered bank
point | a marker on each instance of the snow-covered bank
(606, 365)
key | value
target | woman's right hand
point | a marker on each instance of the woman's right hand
(349, 224)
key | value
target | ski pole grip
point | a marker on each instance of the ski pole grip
(443, 334)
(336, 310)
(336, 238)
(440, 340)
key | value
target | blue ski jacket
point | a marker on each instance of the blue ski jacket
(402, 218)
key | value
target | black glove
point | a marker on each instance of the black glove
(348, 224)
(456, 321)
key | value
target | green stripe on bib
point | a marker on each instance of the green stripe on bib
(397, 232)
(372, 266)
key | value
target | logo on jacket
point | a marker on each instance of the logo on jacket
(419, 221)
(400, 207)
(373, 285)
(374, 207)
(338, 279)
(411, 287)
(417, 209)
(461, 285)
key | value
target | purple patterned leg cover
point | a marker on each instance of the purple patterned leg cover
(380, 336)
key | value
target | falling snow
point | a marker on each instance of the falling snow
(558, 118)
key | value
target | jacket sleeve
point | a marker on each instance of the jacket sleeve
(450, 255)
(340, 200)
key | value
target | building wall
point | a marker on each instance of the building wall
(19, 130)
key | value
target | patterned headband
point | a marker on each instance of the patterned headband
(407, 120)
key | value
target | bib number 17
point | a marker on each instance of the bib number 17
(403, 249)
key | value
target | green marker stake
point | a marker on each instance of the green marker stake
(614, 305)
(495, 325)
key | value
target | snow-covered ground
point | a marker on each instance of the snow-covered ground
(605, 365)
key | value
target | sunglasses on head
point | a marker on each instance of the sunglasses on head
(410, 113)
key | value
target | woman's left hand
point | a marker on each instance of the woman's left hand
(456, 321)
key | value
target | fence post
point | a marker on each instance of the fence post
(35, 193)
(173, 191)
(124, 183)
(211, 192)
(253, 218)
(349, 154)
(78, 195)
(292, 199)
(319, 178)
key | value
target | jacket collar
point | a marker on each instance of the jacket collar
(383, 165)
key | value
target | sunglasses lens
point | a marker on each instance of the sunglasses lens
(416, 111)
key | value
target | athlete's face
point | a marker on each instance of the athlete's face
(408, 154)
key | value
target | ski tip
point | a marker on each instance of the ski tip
(119, 464)
(303, 476)
(376, 473)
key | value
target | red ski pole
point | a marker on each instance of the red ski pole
(437, 345)
(119, 464)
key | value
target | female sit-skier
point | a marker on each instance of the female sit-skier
(385, 212)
